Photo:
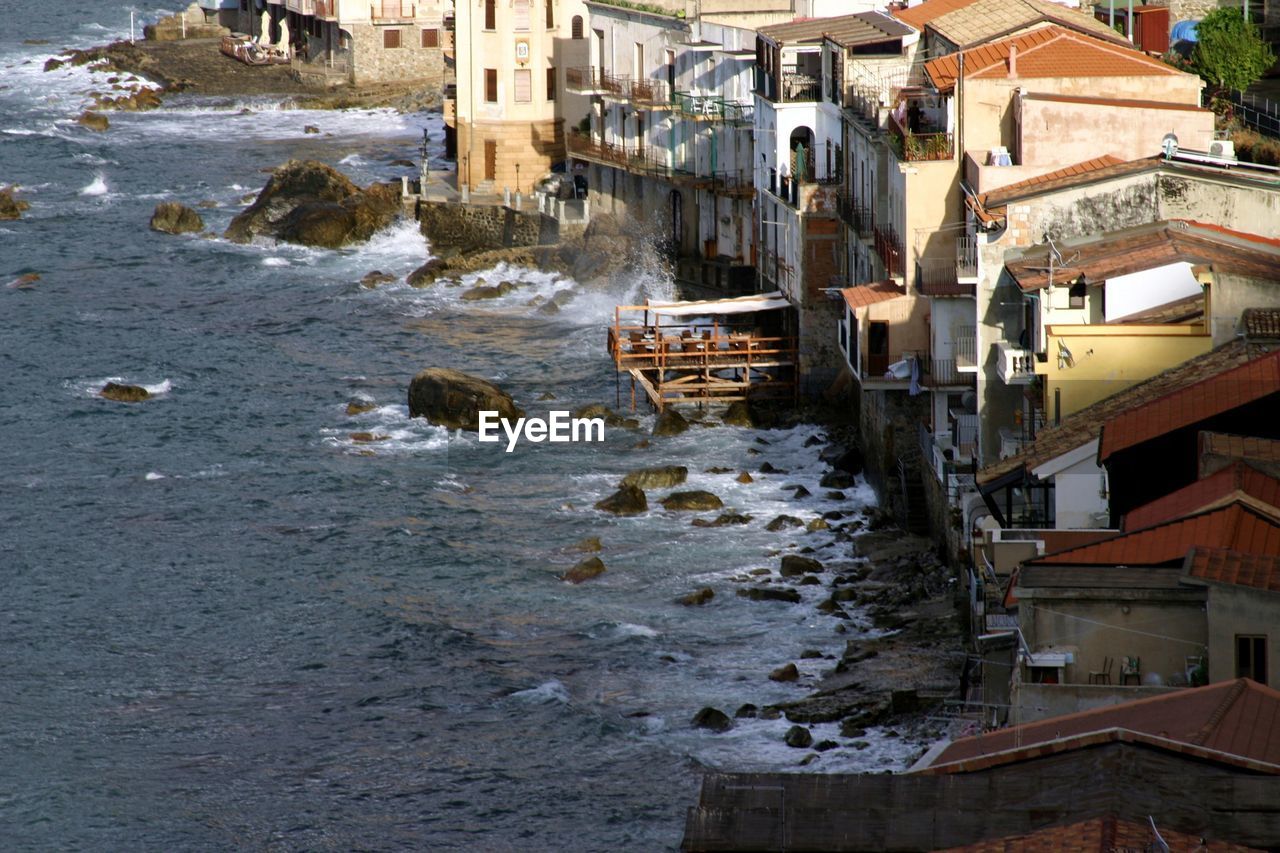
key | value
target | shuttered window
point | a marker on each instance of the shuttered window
(491, 85)
(524, 86)
(551, 84)
(390, 38)
(551, 15)
(490, 14)
(520, 9)
(430, 38)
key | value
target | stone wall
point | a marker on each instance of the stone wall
(532, 146)
(889, 427)
(373, 63)
(480, 226)
(820, 356)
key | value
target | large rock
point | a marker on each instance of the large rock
(173, 218)
(787, 672)
(124, 393)
(738, 414)
(626, 501)
(487, 291)
(657, 478)
(585, 570)
(798, 737)
(611, 418)
(697, 501)
(670, 422)
(723, 520)
(455, 399)
(427, 273)
(10, 207)
(713, 719)
(697, 598)
(313, 204)
(768, 593)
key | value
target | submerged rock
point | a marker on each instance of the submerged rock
(94, 121)
(782, 522)
(713, 719)
(798, 737)
(585, 570)
(173, 218)
(663, 477)
(765, 593)
(122, 393)
(374, 278)
(590, 545)
(723, 520)
(628, 500)
(487, 291)
(359, 407)
(789, 672)
(611, 418)
(697, 501)
(455, 399)
(697, 598)
(11, 208)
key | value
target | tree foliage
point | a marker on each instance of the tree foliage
(1229, 53)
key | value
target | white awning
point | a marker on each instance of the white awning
(741, 305)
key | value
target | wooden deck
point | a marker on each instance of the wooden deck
(700, 362)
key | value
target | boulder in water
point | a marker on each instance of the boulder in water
(11, 208)
(798, 737)
(785, 673)
(590, 545)
(122, 393)
(94, 121)
(697, 501)
(782, 522)
(628, 500)
(585, 570)
(455, 399)
(745, 478)
(697, 598)
(670, 422)
(794, 565)
(173, 218)
(766, 593)
(611, 418)
(487, 291)
(428, 272)
(713, 719)
(722, 520)
(738, 414)
(657, 478)
(359, 407)
(836, 480)
(376, 277)
(310, 129)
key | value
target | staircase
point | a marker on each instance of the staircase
(914, 511)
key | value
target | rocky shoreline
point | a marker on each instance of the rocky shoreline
(197, 66)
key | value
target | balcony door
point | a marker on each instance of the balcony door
(877, 349)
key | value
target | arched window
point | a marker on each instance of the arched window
(577, 26)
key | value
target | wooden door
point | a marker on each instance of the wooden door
(490, 159)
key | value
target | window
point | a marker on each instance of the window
(551, 15)
(390, 38)
(576, 27)
(491, 85)
(430, 38)
(1251, 658)
(490, 14)
(551, 84)
(524, 86)
(1075, 296)
(521, 15)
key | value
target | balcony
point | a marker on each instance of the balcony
(1016, 366)
(949, 276)
(636, 159)
(326, 9)
(649, 92)
(595, 81)
(712, 108)
(916, 147)
(945, 373)
(384, 11)
(888, 246)
(964, 344)
(733, 184)
(799, 88)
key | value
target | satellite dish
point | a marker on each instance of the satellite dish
(1169, 145)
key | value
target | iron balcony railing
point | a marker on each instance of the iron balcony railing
(799, 88)
(711, 107)
(595, 80)
(914, 147)
(888, 245)
(964, 344)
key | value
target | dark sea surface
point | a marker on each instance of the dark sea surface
(224, 623)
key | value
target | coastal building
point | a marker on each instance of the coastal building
(511, 109)
(347, 41)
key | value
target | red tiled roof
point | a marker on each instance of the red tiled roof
(1047, 52)
(1222, 565)
(861, 295)
(1237, 719)
(1251, 381)
(918, 16)
(1223, 486)
(1099, 835)
(1065, 172)
(1261, 452)
(1235, 526)
(1243, 235)
(1114, 102)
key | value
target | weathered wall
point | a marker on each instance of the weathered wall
(1242, 611)
(525, 151)
(819, 314)
(889, 425)
(483, 226)
(1221, 199)
(1058, 133)
(1033, 702)
(373, 63)
(1230, 294)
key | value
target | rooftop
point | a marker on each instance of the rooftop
(861, 295)
(1100, 835)
(967, 22)
(1237, 525)
(1237, 719)
(1222, 565)
(1113, 102)
(1261, 323)
(1221, 487)
(1047, 52)
(1145, 247)
(846, 30)
(1246, 383)
(1109, 577)
(1263, 452)
(1082, 427)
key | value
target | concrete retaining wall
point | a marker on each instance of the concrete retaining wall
(479, 226)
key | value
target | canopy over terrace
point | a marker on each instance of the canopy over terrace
(713, 350)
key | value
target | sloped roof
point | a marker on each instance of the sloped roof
(984, 20)
(1261, 322)
(1044, 53)
(1247, 383)
(867, 294)
(1184, 310)
(1082, 427)
(918, 16)
(1237, 526)
(1222, 486)
(983, 203)
(846, 30)
(1127, 103)
(1263, 451)
(1099, 835)
(1236, 719)
(990, 206)
(1222, 565)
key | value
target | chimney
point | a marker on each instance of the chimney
(1013, 60)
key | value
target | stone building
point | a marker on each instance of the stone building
(508, 118)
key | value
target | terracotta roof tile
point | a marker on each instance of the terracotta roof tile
(868, 294)
(1047, 52)
(1067, 171)
(1082, 427)
(1223, 565)
(1100, 835)
(990, 207)
(968, 22)
(1127, 103)
(1235, 526)
(1261, 322)
(1247, 447)
(1234, 481)
(918, 16)
(1255, 380)
(1240, 720)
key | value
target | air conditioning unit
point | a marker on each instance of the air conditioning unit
(1224, 148)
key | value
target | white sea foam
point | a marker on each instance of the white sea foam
(275, 262)
(385, 431)
(97, 187)
(544, 694)
(626, 629)
(154, 475)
